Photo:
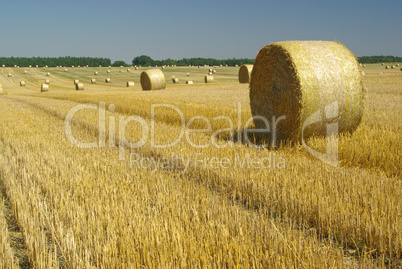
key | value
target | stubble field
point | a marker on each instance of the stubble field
(209, 200)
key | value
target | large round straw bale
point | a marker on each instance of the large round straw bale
(44, 88)
(96, 73)
(153, 79)
(93, 81)
(189, 82)
(107, 80)
(245, 73)
(47, 81)
(305, 81)
(130, 83)
(79, 86)
(175, 80)
(76, 81)
(22, 83)
(209, 79)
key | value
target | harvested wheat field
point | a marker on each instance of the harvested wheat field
(117, 177)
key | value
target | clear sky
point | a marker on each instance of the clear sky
(123, 29)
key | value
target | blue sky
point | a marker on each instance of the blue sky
(121, 30)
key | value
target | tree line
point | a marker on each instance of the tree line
(379, 59)
(145, 60)
(54, 61)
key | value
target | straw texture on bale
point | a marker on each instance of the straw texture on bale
(153, 79)
(209, 79)
(189, 82)
(76, 81)
(245, 73)
(107, 80)
(22, 83)
(300, 79)
(44, 88)
(47, 81)
(79, 86)
(130, 84)
(175, 80)
(93, 81)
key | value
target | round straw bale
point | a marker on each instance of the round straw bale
(3, 65)
(30, 66)
(79, 86)
(153, 79)
(245, 73)
(22, 83)
(72, 66)
(47, 81)
(76, 81)
(175, 80)
(397, 65)
(209, 79)
(100, 65)
(188, 74)
(44, 88)
(210, 73)
(189, 82)
(9, 75)
(120, 71)
(96, 73)
(65, 69)
(128, 69)
(393, 67)
(48, 74)
(107, 80)
(130, 83)
(46, 66)
(136, 68)
(210, 70)
(214, 71)
(93, 81)
(303, 81)
(387, 67)
(382, 63)
(36, 66)
(236, 65)
(108, 71)
(25, 71)
(401, 69)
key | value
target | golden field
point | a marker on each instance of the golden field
(205, 202)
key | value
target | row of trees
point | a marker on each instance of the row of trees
(379, 59)
(54, 61)
(145, 60)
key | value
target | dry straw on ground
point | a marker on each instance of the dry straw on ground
(153, 79)
(44, 88)
(1, 90)
(130, 84)
(93, 81)
(22, 83)
(209, 79)
(306, 81)
(79, 86)
(245, 73)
